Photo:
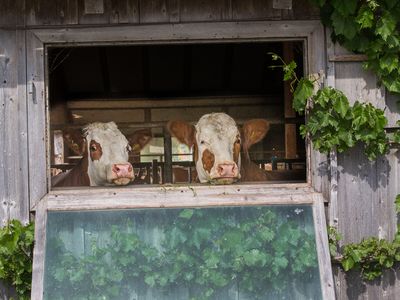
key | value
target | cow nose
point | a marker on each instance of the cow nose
(122, 170)
(227, 169)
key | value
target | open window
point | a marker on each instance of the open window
(145, 86)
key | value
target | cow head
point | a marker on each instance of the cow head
(217, 142)
(106, 151)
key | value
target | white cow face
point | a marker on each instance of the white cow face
(108, 151)
(217, 142)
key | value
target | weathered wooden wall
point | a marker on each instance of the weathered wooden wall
(362, 201)
(33, 13)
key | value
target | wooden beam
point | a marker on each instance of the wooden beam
(290, 129)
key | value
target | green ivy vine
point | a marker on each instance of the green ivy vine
(332, 123)
(371, 256)
(16, 246)
(368, 27)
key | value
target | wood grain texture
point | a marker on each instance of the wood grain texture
(13, 128)
(365, 190)
(12, 13)
(37, 130)
(206, 10)
(39, 250)
(48, 13)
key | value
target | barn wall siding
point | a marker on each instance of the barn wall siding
(14, 200)
(366, 190)
(33, 13)
(13, 128)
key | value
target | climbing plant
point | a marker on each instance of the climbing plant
(332, 123)
(16, 245)
(371, 256)
(368, 27)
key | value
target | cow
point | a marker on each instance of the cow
(104, 151)
(217, 142)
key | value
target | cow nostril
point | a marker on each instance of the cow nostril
(129, 168)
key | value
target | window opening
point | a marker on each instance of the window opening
(145, 86)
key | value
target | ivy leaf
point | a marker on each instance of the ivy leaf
(346, 26)
(385, 25)
(347, 7)
(303, 91)
(347, 263)
(389, 62)
(365, 17)
(341, 105)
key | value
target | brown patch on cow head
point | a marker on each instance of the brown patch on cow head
(236, 149)
(253, 131)
(208, 160)
(138, 139)
(183, 131)
(95, 150)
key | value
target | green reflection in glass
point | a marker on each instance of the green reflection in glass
(265, 252)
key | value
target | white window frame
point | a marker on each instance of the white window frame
(43, 199)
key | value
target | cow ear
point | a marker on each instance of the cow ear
(75, 141)
(183, 131)
(254, 131)
(138, 139)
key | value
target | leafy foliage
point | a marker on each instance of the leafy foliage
(16, 245)
(201, 249)
(371, 256)
(332, 122)
(368, 27)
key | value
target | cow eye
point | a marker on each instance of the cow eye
(237, 141)
(128, 148)
(93, 148)
(202, 142)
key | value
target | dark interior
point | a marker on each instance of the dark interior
(188, 72)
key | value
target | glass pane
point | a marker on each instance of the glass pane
(265, 252)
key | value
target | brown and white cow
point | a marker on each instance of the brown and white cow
(105, 156)
(217, 143)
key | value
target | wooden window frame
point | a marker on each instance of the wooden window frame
(38, 40)
(43, 199)
(200, 196)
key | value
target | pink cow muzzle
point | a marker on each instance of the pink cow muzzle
(225, 173)
(122, 174)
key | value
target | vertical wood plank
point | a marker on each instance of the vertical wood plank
(206, 10)
(254, 9)
(13, 155)
(37, 130)
(290, 141)
(290, 129)
(124, 11)
(39, 250)
(316, 62)
(12, 13)
(56, 12)
(154, 11)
